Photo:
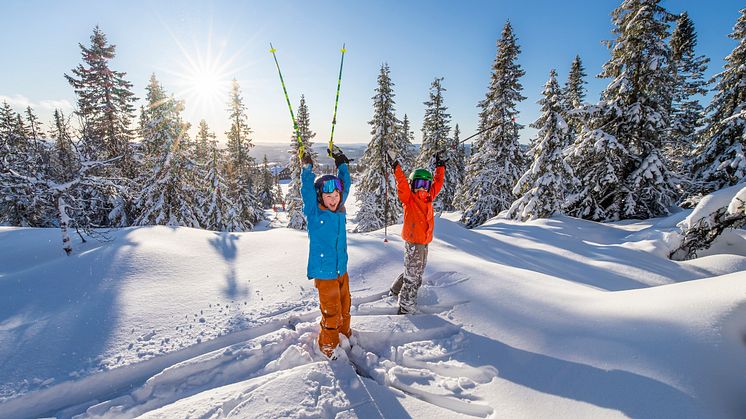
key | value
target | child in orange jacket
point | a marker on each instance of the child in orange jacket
(417, 196)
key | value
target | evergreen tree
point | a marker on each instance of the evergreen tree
(435, 127)
(616, 156)
(376, 191)
(203, 142)
(688, 83)
(460, 158)
(217, 208)
(497, 161)
(265, 187)
(403, 144)
(64, 161)
(294, 201)
(720, 161)
(241, 164)
(573, 95)
(435, 131)
(105, 109)
(541, 189)
(105, 103)
(168, 196)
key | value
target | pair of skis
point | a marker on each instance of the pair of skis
(290, 107)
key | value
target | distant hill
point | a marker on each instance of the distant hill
(278, 152)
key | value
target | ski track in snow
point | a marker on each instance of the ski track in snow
(237, 373)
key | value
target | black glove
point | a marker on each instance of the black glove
(306, 159)
(440, 161)
(338, 156)
(392, 159)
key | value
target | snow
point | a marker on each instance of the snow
(555, 317)
(711, 204)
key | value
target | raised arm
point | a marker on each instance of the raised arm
(343, 172)
(402, 184)
(308, 192)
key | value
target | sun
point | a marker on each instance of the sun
(203, 79)
(205, 85)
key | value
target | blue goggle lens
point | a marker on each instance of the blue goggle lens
(330, 185)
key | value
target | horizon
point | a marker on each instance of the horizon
(196, 49)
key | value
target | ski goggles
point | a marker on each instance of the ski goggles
(421, 183)
(330, 185)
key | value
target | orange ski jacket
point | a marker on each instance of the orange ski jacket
(418, 212)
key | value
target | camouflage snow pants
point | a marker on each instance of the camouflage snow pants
(408, 283)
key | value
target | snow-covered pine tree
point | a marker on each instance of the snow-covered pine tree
(105, 102)
(202, 143)
(64, 162)
(293, 199)
(720, 160)
(218, 211)
(376, 190)
(573, 95)
(436, 129)
(403, 145)
(497, 161)
(460, 158)
(240, 165)
(617, 155)
(435, 126)
(688, 84)
(20, 201)
(265, 185)
(541, 190)
(105, 109)
(168, 196)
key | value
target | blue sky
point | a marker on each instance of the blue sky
(420, 40)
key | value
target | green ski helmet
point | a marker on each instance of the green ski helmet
(421, 174)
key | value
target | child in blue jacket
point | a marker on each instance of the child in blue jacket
(323, 205)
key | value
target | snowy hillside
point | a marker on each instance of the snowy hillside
(552, 318)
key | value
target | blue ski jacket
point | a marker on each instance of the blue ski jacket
(327, 254)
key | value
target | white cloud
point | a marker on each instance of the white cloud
(17, 101)
(51, 104)
(20, 103)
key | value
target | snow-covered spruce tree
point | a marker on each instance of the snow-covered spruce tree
(573, 96)
(265, 185)
(168, 196)
(240, 165)
(541, 190)
(218, 211)
(617, 155)
(714, 214)
(376, 190)
(21, 202)
(688, 84)
(460, 158)
(293, 199)
(719, 160)
(435, 126)
(202, 143)
(436, 129)
(105, 109)
(403, 145)
(497, 161)
(64, 161)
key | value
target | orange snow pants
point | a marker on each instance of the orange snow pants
(334, 297)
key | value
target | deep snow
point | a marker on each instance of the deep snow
(550, 318)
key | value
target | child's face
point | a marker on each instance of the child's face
(331, 200)
(418, 190)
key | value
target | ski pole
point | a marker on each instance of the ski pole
(287, 99)
(336, 101)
